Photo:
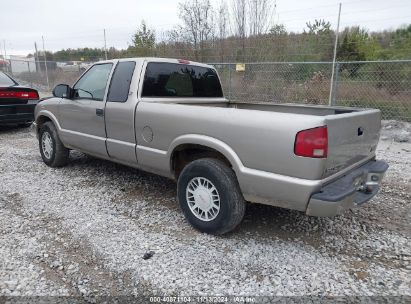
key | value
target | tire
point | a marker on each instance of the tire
(52, 150)
(209, 184)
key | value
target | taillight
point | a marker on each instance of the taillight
(312, 143)
(15, 94)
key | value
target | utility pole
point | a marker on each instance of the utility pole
(45, 64)
(5, 54)
(243, 26)
(4, 46)
(36, 57)
(330, 101)
(105, 44)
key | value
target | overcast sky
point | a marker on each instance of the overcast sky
(80, 23)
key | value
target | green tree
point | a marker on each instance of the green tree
(401, 43)
(318, 27)
(143, 41)
(317, 44)
(354, 44)
(278, 30)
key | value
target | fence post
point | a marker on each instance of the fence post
(229, 82)
(31, 79)
(335, 84)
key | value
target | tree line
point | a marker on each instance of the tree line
(244, 31)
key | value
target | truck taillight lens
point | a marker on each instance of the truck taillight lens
(312, 143)
(15, 94)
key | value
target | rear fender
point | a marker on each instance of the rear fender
(209, 142)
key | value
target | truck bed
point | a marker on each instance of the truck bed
(353, 133)
(294, 108)
(291, 108)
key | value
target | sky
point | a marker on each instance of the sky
(80, 23)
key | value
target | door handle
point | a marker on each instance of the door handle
(100, 112)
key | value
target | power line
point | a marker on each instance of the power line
(324, 6)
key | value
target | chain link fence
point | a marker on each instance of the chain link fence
(385, 85)
(44, 75)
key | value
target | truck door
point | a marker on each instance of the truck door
(82, 117)
(119, 114)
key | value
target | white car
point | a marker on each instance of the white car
(69, 66)
(85, 65)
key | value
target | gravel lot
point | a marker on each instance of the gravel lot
(83, 230)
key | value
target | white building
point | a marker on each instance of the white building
(21, 64)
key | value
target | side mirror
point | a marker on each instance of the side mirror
(62, 91)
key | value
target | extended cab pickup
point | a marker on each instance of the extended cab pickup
(170, 117)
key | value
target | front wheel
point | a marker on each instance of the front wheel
(210, 197)
(52, 150)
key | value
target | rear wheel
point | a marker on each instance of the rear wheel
(210, 197)
(52, 150)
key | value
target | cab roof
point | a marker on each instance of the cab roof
(155, 59)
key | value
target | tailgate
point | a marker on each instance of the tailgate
(352, 137)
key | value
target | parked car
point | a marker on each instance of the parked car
(17, 102)
(170, 117)
(84, 66)
(70, 66)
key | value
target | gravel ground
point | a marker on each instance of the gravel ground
(83, 231)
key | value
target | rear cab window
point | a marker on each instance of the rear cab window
(120, 82)
(168, 80)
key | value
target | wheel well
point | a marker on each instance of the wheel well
(185, 154)
(42, 120)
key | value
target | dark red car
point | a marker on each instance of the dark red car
(17, 102)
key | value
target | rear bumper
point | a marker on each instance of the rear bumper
(351, 190)
(10, 114)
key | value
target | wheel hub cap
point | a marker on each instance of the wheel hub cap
(47, 145)
(203, 199)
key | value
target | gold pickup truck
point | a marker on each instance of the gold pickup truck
(170, 117)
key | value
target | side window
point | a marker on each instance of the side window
(179, 80)
(120, 82)
(92, 85)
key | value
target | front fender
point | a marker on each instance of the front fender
(47, 114)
